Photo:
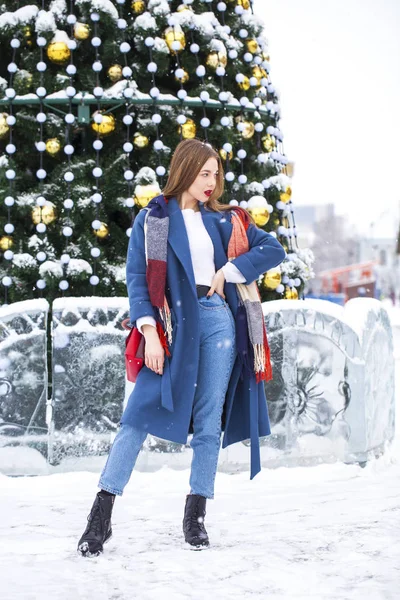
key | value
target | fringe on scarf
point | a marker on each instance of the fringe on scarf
(166, 328)
(262, 361)
(163, 338)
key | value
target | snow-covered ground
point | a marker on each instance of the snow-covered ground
(324, 532)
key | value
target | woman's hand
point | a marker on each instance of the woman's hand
(217, 284)
(154, 353)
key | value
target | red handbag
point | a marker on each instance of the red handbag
(134, 351)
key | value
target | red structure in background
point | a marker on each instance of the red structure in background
(352, 280)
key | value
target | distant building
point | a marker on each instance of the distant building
(345, 261)
(387, 267)
(307, 216)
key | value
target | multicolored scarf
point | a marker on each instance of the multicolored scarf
(251, 336)
(251, 333)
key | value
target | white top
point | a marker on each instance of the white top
(202, 254)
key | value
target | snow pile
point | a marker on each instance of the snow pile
(325, 533)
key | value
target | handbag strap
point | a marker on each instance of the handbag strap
(125, 324)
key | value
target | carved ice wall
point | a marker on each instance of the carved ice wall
(331, 398)
(23, 380)
(332, 395)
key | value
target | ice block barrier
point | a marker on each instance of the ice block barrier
(88, 373)
(23, 386)
(332, 395)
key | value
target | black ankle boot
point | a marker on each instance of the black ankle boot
(193, 521)
(98, 530)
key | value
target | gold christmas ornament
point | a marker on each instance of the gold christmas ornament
(138, 7)
(224, 155)
(4, 127)
(248, 130)
(245, 84)
(276, 222)
(144, 193)
(252, 46)
(260, 215)
(140, 140)
(6, 242)
(106, 126)
(286, 195)
(58, 52)
(291, 293)
(185, 77)
(183, 7)
(272, 279)
(44, 214)
(216, 59)
(175, 34)
(53, 146)
(27, 32)
(81, 31)
(259, 73)
(114, 73)
(102, 232)
(265, 56)
(268, 142)
(244, 3)
(188, 129)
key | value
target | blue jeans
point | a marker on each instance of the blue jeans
(217, 355)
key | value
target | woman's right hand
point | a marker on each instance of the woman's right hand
(154, 353)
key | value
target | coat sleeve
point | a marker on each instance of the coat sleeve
(139, 299)
(264, 253)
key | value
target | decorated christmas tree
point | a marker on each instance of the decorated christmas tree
(94, 97)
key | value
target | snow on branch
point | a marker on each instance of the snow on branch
(205, 23)
(145, 21)
(22, 16)
(159, 7)
(46, 22)
(102, 5)
(58, 8)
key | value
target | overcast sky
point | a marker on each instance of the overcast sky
(336, 64)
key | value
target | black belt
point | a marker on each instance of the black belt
(202, 290)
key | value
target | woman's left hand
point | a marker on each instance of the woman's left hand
(217, 284)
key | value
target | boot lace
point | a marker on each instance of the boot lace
(95, 518)
(196, 521)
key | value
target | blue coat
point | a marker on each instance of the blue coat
(162, 405)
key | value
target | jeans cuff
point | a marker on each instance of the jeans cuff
(208, 496)
(109, 489)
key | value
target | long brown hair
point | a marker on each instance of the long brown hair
(187, 161)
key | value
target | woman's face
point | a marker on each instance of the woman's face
(205, 182)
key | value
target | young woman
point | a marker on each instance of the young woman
(192, 267)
